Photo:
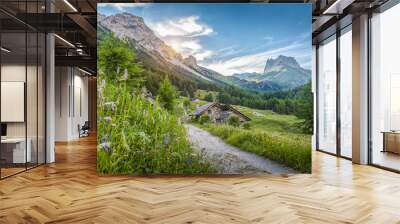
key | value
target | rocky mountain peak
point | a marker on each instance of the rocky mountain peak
(190, 61)
(280, 62)
(126, 25)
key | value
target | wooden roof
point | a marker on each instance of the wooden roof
(205, 107)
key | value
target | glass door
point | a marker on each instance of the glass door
(14, 156)
(327, 96)
(385, 89)
(22, 100)
(346, 92)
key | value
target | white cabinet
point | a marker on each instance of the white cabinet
(19, 155)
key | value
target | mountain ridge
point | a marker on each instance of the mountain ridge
(156, 53)
(283, 71)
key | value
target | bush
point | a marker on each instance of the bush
(246, 126)
(234, 120)
(167, 95)
(186, 103)
(204, 119)
(291, 150)
(209, 97)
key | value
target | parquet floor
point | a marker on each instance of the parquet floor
(70, 191)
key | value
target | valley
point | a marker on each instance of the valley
(265, 117)
(280, 74)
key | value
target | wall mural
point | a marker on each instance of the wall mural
(204, 88)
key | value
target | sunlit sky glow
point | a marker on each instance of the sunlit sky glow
(228, 38)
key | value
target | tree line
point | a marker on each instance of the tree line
(298, 101)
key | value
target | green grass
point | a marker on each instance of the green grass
(143, 138)
(267, 120)
(200, 94)
(291, 150)
(271, 135)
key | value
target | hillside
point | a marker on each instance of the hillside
(282, 73)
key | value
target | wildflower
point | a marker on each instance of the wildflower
(126, 75)
(143, 137)
(107, 119)
(189, 161)
(104, 139)
(110, 106)
(102, 84)
(166, 139)
(106, 146)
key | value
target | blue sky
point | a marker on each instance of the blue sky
(228, 38)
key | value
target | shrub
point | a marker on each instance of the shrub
(246, 126)
(234, 120)
(204, 119)
(186, 103)
(167, 95)
(209, 97)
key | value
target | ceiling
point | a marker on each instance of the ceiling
(75, 21)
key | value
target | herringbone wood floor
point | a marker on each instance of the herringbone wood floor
(70, 191)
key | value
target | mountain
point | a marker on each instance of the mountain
(280, 63)
(250, 76)
(282, 72)
(153, 52)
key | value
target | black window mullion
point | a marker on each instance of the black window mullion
(338, 76)
(317, 97)
(26, 86)
(37, 90)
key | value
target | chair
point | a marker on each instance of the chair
(84, 130)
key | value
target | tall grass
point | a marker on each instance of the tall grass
(136, 136)
(139, 137)
(291, 150)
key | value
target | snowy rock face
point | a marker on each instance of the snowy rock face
(279, 63)
(125, 25)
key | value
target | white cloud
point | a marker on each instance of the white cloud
(123, 6)
(186, 26)
(252, 62)
(203, 55)
(183, 35)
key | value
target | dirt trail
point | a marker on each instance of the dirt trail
(229, 159)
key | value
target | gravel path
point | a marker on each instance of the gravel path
(229, 159)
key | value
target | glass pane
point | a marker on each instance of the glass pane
(327, 96)
(346, 94)
(386, 89)
(31, 98)
(13, 86)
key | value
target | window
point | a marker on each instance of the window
(385, 89)
(327, 96)
(22, 77)
(346, 92)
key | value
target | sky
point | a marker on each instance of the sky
(228, 38)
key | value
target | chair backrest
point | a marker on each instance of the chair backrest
(86, 125)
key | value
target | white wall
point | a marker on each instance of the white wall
(70, 83)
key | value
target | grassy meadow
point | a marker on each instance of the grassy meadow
(274, 136)
(141, 136)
